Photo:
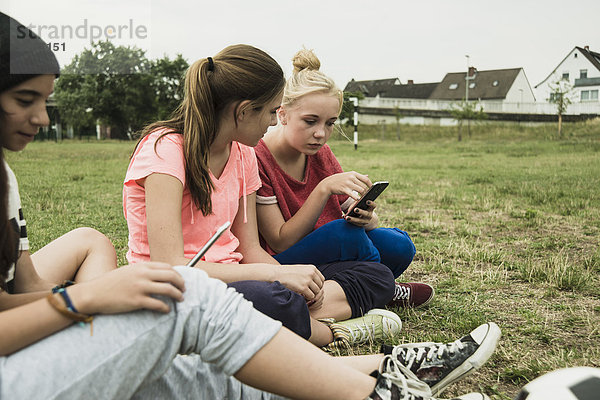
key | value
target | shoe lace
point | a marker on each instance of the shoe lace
(401, 292)
(410, 386)
(414, 354)
(362, 332)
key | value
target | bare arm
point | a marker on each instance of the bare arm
(28, 285)
(164, 194)
(122, 290)
(27, 279)
(281, 234)
(247, 233)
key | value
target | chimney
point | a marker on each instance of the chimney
(410, 82)
(587, 48)
(472, 71)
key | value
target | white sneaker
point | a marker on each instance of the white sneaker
(395, 385)
(375, 325)
(439, 365)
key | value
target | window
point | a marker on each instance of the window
(575, 55)
(582, 73)
(471, 85)
(565, 76)
(495, 83)
(585, 95)
(453, 86)
(589, 95)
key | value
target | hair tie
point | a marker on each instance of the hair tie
(211, 64)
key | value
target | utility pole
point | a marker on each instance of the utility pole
(354, 101)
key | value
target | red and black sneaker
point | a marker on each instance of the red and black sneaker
(413, 294)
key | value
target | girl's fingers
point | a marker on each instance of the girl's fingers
(321, 279)
(165, 289)
(371, 205)
(314, 289)
(168, 275)
(364, 179)
(151, 303)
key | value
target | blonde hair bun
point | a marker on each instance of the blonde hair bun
(305, 59)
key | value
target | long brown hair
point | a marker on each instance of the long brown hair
(239, 72)
(8, 236)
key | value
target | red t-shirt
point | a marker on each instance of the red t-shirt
(290, 194)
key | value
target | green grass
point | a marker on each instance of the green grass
(506, 225)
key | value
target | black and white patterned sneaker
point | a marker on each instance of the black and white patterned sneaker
(438, 364)
(396, 386)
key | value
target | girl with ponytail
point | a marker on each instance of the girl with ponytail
(192, 173)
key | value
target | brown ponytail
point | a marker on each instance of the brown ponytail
(237, 73)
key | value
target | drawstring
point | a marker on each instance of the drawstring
(243, 183)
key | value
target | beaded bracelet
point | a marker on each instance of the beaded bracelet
(63, 285)
(65, 296)
(67, 309)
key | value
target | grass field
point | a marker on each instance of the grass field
(506, 225)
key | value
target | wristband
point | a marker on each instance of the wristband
(63, 285)
(65, 296)
(69, 311)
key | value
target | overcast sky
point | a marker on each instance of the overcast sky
(419, 40)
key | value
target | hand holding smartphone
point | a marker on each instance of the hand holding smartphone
(371, 194)
(210, 242)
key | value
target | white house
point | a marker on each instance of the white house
(581, 68)
(497, 91)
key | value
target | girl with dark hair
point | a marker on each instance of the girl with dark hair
(79, 255)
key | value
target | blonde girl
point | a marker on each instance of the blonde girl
(305, 192)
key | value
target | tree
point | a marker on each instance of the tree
(71, 99)
(467, 111)
(108, 84)
(347, 113)
(560, 94)
(168, 77)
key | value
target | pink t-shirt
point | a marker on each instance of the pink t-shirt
(239, 178)
(289, 193)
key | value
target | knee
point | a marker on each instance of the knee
(354, 242)
(395, 246)
(383, 278)
(91, 238)
(277, 302)
(405, 250)
(367, 285)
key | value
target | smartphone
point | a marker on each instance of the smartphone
(373, 192)
(207, 245)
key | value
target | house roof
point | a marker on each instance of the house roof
(488, 85)
(591, 56)
(371, 88)
(410, 91)
(391, 88)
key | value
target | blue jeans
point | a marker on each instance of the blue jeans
(341, 241)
